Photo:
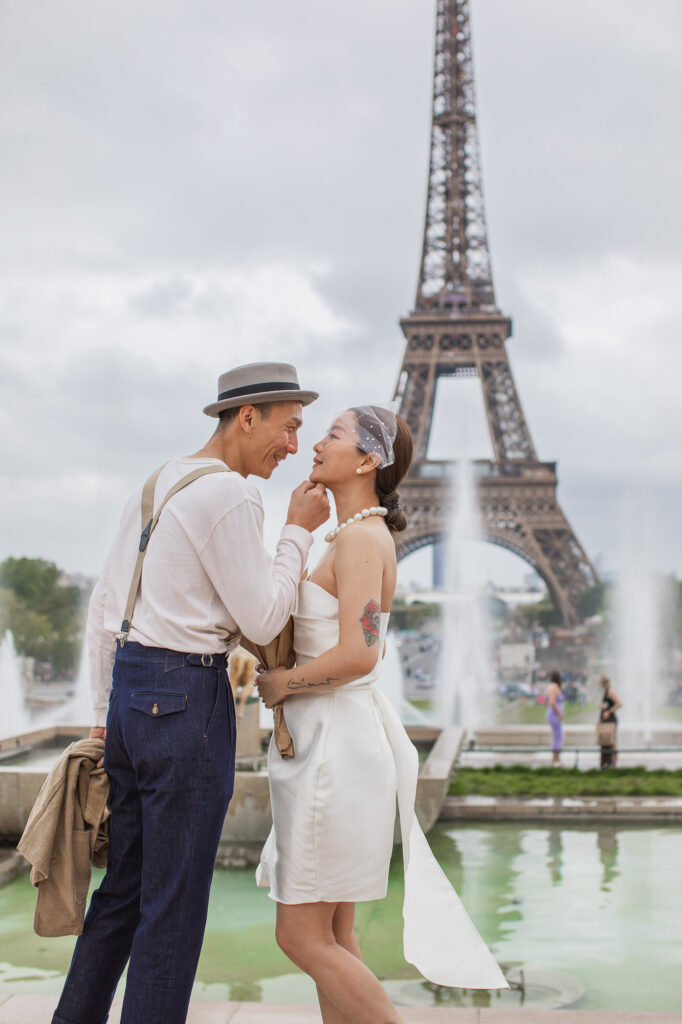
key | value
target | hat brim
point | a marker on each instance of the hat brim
(304, 397)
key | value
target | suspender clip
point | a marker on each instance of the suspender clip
(144, 536)
(123, 635)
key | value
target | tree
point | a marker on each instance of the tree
(593, 600)
(31, 630)
(542, 614)
(44, 615)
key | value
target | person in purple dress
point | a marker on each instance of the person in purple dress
(555, 714)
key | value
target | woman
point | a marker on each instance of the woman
(555, 714)
(610, 702)
(333, 803)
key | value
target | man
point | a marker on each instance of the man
(170, 726)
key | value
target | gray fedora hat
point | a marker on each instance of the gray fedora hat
(254, 383)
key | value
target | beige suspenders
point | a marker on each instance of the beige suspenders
(149, 521)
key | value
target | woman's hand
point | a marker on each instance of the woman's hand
(272, 686)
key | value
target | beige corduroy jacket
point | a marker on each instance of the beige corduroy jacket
(67, 828)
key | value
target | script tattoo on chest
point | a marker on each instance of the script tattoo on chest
(303, 684)
(371, 622)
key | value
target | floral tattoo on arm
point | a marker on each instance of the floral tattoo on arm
(371, 622)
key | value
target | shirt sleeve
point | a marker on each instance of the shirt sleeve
(259, 592)
(101, 650)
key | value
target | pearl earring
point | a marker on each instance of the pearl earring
(358, 470)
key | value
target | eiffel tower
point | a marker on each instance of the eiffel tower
(457, 330)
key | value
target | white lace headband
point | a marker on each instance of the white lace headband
(371, 428)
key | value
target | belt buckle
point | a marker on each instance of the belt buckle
(207, 663)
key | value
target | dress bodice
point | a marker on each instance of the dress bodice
(316, 629)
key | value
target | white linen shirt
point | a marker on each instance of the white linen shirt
(206, 573)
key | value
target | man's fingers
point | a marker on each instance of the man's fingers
(309, 506)
(308, 485)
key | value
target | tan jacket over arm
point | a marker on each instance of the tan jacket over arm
(66, 829)
(278, 653)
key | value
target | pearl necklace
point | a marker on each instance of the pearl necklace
(374, 510)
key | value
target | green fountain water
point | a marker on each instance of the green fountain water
(594, 904)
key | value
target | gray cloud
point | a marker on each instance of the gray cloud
(188, 187)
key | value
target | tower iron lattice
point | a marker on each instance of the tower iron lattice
(457, 330)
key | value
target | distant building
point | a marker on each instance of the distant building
(516, 661)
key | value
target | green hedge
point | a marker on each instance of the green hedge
(522, 781)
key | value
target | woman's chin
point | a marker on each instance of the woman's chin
(318, 477)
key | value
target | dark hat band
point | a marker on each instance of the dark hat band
(252, 389)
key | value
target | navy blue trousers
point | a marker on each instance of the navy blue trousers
(169, 755)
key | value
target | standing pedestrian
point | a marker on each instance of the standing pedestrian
(170, 726)
(334, 800)
(555, 714)
(606, 727)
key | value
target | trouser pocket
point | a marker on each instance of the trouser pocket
(214, 682)
(157, 703)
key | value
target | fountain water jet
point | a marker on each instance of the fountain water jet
(466, 679)
(17, 718)
(639, 621)
(15, 715)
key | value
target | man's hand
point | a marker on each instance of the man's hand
(98, 732)
(309, 506)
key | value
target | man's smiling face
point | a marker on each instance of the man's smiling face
(273, 437)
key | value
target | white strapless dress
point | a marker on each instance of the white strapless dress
(334, 807)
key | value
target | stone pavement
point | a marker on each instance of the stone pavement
(38, 1010)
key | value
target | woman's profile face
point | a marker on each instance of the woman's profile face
(336, 455)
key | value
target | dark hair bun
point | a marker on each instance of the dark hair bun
(396, 520)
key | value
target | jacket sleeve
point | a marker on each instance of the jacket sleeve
(259, 592)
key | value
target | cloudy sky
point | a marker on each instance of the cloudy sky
(186, 186)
